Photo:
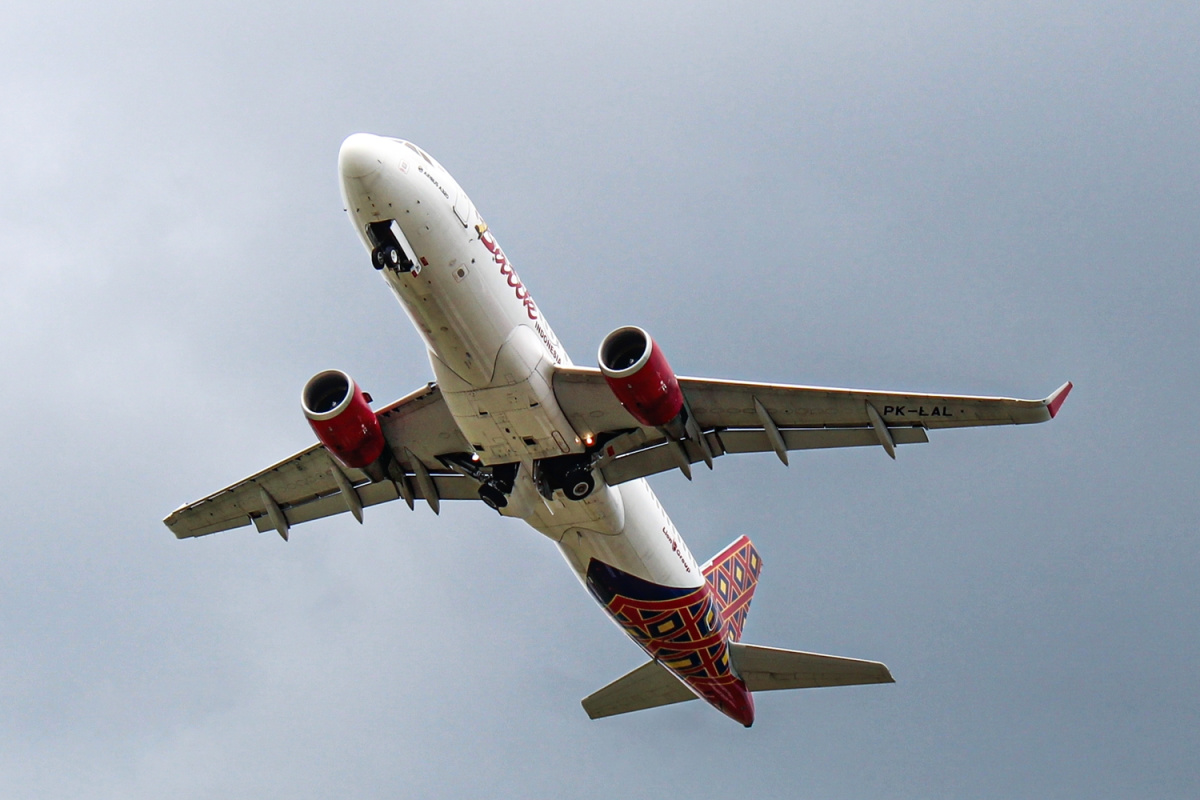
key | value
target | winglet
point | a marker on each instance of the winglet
(1055, 400)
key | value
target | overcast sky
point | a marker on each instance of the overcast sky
(985, 198)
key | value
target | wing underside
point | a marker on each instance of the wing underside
(307, 485)
(731, 417)
(740, 417)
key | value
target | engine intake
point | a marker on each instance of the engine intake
(638, 374)
(342, 419)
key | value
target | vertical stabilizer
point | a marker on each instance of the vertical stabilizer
(733, 575)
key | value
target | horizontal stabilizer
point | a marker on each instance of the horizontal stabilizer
(767, 668)
(648, 686)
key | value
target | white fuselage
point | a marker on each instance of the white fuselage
(494, 354)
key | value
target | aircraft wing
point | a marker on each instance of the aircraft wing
(738, 417)
(309, 485)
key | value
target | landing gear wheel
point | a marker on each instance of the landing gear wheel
(579, 484)
(386, 255)
(493, 497)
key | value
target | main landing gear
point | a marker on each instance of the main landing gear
(579, 484)
(572, 474)
(495, 482)
(492, 496)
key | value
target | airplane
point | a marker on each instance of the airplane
(512, 422)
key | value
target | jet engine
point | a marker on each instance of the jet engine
(638, 374)
(342, 419)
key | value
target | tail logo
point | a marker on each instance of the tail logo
(733, 576)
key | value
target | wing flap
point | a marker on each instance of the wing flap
(770, 668)
(659, 458)
(750, 441)
(648, 686)
(449, 487)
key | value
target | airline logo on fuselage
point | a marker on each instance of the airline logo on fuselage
(509, 273)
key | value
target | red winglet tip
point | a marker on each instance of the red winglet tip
(1055, 401)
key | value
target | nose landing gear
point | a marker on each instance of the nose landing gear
(388, 256)
(388, 252)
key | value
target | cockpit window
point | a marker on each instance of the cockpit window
(419, 152)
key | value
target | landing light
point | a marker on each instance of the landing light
(474, 456)
(589, 440)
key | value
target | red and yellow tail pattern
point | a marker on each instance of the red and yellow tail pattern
(733, 575)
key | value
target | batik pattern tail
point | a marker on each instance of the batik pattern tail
(733, 575)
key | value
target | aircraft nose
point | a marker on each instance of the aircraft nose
(360, 156)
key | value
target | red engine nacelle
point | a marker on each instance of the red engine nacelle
(341, 418)
(640, 377)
